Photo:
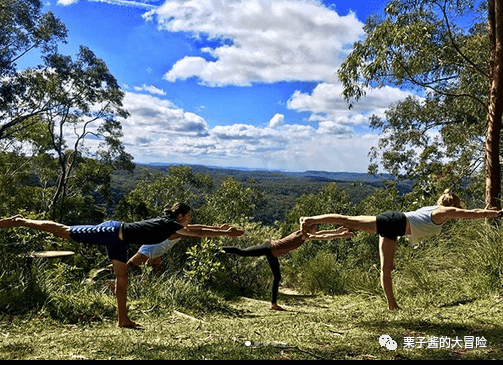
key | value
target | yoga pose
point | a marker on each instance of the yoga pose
(116, 236)
(273, 249)
(418, 224)
(151, 254)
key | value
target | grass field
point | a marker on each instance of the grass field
(449, 292)
(313, 328)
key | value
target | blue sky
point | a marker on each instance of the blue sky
(233, 83)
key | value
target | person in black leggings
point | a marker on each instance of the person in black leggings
(273, 249)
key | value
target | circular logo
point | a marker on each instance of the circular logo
(388, 342)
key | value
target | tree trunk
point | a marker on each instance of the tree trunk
(495, 110)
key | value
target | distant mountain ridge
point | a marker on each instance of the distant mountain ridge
(309, 174)
(280, 189)
(343, 176)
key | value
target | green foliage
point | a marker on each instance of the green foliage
(321, 274)
(203, 261)
(23, 28)
(151, 195)
(426, 45)
(330, 199)
(232, 201)
(163, 293)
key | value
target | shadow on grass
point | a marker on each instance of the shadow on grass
(12, 351)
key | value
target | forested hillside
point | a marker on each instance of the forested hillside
(278, 190)
(63, 162)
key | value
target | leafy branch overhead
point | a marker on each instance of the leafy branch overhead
(68, 108)
(447, 53)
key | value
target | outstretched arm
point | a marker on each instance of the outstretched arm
(341, 232)
(443, 214)
(203, 226)
(209, 231)
(316, 220)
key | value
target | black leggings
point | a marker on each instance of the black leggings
(262, 250)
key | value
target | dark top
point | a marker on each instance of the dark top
(286, 244)
(150, 231)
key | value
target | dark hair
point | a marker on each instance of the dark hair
(177, 208)
(448, 199)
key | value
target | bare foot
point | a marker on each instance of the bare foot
(129, 324)
(13, 221)
(275, 307)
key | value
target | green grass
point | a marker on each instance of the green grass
(448, 287)
(314, 327)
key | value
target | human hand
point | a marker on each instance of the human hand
(305, 223)
(235, 232)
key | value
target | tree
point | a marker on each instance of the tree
(151, 195)
(58, 107)
(83, 101)
(23, 29)
(231, 202)
(425, 45)
(331, 199)
(495, 112)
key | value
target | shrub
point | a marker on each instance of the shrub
(322, 274)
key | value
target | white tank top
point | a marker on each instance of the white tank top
(157, 250)
(421, 224)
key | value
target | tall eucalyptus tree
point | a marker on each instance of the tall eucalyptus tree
(449, 52)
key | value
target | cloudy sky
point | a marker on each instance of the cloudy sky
(233, 83)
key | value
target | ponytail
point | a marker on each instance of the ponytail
(448, 199)
(177, 208)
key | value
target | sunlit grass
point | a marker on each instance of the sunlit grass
(314, 327)
(449, 287)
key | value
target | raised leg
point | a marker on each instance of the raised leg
(11, 221)
(361, 222)
(57, 229)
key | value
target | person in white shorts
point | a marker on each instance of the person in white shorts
(152, 254)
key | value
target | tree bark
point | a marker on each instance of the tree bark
(495, 109)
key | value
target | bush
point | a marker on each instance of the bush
(167, 292)
(322, 274)
(465, 262)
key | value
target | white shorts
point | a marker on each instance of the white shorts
(157, 250)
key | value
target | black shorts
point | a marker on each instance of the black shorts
(106, 234)
(391, 224)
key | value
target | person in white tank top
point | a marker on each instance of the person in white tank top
(421, 224)
(416, 225)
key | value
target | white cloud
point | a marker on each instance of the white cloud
(129, 3)
(260, 40)
(67, 2)
(277, 120)
(158, 130)
(256, 41)
(328, 107)
(155, 120)
(150, 89)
